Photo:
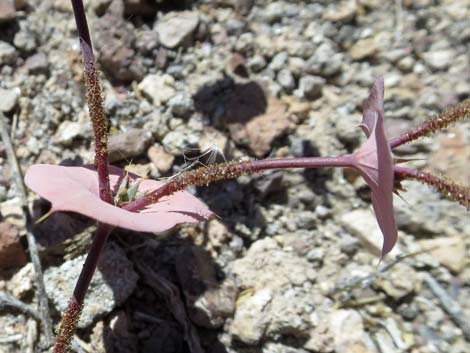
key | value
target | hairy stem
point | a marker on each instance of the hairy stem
(71, 316)
(223, 171)
(446, 187)
(448, 117)
(95, 102)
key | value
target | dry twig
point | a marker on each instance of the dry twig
(32, 245)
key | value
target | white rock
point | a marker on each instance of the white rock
(249, 323)
(439, 59)
(362, 223)
(8, 99)
(177, 28)
(67, 132)
(22, 282)
(158, 88)
(113, 282)
(449, 251)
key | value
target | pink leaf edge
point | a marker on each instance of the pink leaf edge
(75, 189)
(375, 163)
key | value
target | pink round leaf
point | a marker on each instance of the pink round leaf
(75, 189)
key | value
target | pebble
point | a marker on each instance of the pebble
(286, 80)
(325, 62)
(113, 282)
(115, 39)
(449, 251)
(363, 224)
(9, 99)
(162, 160)
(310, 87)
(177, 28)
(158, 88)
(22, 282)
(12, 253)
(8, 54)
(256, 63)
(401, 281)
(181, 105)
(279, 61)
(129, 144)
(250, 320)
(37, 63)
(67, 132)
(363, 49)
(7, 11)
(439, 59)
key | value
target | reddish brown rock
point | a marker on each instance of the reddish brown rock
(12, 253)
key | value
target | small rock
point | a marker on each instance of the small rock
(261, 130)
(7, 11)
(160, 158)
(363, 49)
(8, 54)
(181, 105)
(256, 63)
(12, 253)
(406, 64)
(271, 347)
(159, 88)
(250, 321)
(439, 59)
(310, 87)
(37, 63)
(325, 62)
(9, 99)
(177, 28)
(129, 144)
(274, 11)
(237, 65)
(146, 41)
(269, 183)
(25, 40)
(67, 132)
(22, 282)
(115, 41)
(11, 211)
(344, 12)
(279, 61)
(400, 281)
(449, 251)
(115, 335)
(362, 223)
(347, 329)
(209, 303)
(286, 80)
(113, 282)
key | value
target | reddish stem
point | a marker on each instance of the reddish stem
(445, 186)
(71, 316)
(95, 102)
(223, 171)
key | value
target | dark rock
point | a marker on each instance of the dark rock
(129, 144)
(114, 40)
(12, 253)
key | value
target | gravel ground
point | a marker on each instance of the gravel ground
(291, 264)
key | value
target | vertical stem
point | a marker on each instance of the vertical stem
(71, 316)
(95, 102)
